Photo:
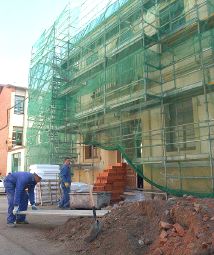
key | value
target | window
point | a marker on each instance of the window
(17, 136)
(90, 152)
(125, 35)
(171, 16)
(92, 58)
(16, 162)
(179, 126)
(19, 105)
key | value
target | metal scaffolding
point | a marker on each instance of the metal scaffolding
(136, 76)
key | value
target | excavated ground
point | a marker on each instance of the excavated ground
(179, 226)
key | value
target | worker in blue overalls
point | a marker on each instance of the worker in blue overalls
(65, 183)
(19, 187)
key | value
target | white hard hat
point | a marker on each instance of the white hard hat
(36, 172)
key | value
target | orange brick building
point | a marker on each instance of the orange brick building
(12, 128)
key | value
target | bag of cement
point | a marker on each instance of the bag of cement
(80, 187)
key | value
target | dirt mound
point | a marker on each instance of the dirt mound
(153, 227)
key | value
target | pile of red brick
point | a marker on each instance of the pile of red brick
(112, 179)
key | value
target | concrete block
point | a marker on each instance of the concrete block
(82, 200)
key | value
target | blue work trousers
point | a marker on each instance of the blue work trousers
(65, 199)
(10, 191)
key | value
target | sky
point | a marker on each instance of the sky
(21, 24)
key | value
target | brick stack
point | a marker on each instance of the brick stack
(112, 179)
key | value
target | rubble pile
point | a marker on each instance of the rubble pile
(151, 227)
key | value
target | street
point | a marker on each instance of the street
(29, 239)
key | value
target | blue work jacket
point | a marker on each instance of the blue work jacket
(22, 181)
(65, 173)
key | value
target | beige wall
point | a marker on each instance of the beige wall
(183, 70)
(183, 180)
(102, 161)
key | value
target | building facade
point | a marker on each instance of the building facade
(134, 82)
(13, 109)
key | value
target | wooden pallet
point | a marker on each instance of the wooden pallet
(47, 192)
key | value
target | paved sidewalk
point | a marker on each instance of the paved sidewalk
(8, 247)
(29, 239)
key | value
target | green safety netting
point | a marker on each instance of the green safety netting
(133, 76)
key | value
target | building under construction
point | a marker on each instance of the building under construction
(130, 78)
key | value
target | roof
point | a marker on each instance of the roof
(12, 86)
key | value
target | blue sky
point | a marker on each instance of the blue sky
(21, 24)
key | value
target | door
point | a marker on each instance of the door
(16, 162)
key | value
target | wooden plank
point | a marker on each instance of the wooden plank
(70, 213)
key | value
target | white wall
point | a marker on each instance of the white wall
(18, 121)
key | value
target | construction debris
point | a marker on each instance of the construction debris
(153, 227)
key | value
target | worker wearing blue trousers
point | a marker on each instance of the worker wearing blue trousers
(19, 187)
(65, 183)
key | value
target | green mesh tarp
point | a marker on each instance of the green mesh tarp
(133, 76)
